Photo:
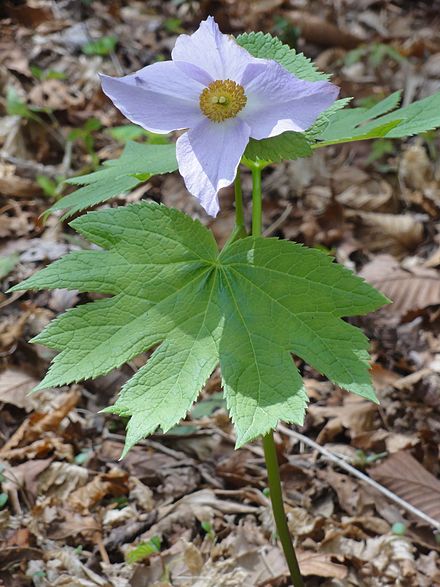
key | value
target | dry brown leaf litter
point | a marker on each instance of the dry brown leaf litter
(74, 512)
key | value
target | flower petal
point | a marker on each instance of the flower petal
(159, 97)
(278, 101)
(215, 53)
(208, 156)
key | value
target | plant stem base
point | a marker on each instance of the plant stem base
(279, 514)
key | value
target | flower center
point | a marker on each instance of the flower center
(222, 99)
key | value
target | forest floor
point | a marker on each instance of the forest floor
(186, 509)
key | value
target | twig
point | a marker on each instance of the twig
(356, 473)
(32, 168)
(279, 221)
(178, 455)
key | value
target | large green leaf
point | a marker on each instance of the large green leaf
(137, 163)
(248, 308)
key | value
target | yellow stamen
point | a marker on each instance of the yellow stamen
(222, 99)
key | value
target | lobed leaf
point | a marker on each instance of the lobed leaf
(137, 163)
(324, 119)
(358, 124)
(248, 308)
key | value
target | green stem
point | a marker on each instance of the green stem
(239, 230)
(270, 454)
(257, 201)
(276, 497)
(239, 212)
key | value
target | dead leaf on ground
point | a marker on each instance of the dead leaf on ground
(434, 259)
(38, 423)
(11, 330)
(370, 196)
(408, 290)
(350, 495)
(301, 522)
(60, 480)
(30, 14)
(15, 386)
(23, 478)
(390, 556)
(396, 233)
(193, 558)
(72, 524)
(318, 30)
(415, 168)
(408, 479)
(356, 415)
(11, 184)
(86, 497)
(40, 449)
(56, 95)
(320, 564)
(65, 569)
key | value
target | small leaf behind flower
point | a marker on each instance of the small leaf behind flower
(288, 145)
(265, 46)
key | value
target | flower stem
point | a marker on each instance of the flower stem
(239, 230)
(270, 454)
(239, 212)
(257, 204)
(276, 497)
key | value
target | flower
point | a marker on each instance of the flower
(222, 96)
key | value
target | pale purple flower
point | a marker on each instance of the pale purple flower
(223, 96)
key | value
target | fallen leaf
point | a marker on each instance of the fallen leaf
(316, 29)
(395, 233)
(193, 558)
(60, 480)
(301, 522)
(408, 479)
(74, 524)
(38, 423)
(56, 95)
(370, 196)
(19, 538)
(415, 168)
(11, 184)
(15, 386)
(356, 415)
(141, 494)
(23, 477)
(409, 290)
(86, 497)
(320, 564)
(11, 330)
(66, 570)
(29, 15)
(347, 490)
(434, 259)
(40, 449)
